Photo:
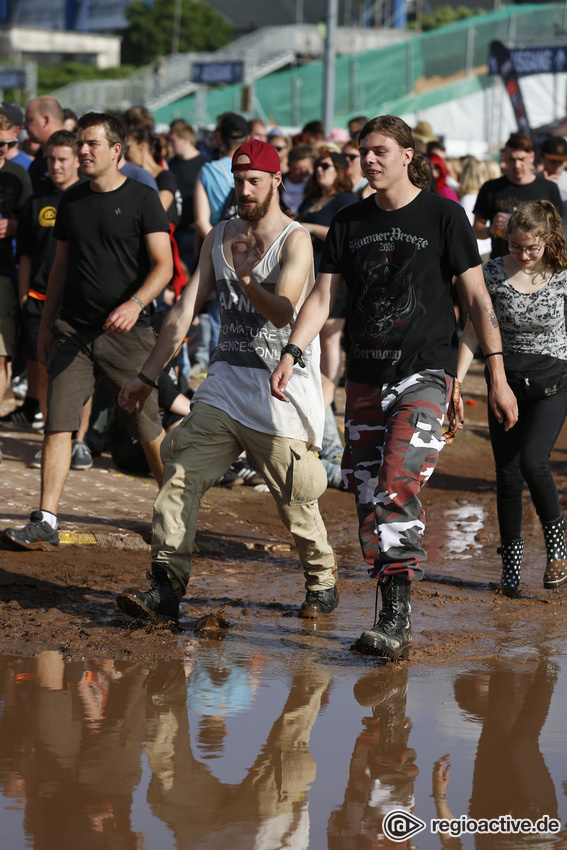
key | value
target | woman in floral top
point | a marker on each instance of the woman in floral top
(528, 288)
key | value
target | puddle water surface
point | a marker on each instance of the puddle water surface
(226, 748)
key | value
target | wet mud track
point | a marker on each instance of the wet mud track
(246, 576)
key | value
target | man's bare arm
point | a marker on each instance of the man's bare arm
(309, 322)
(125, 316)
(296, 260)
(174, 329)
(480, 309)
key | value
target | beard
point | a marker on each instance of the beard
(259, 209)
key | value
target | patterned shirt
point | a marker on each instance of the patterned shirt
(530, 322)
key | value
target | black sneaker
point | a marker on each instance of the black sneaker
(241, 471)
(34, 535)
(159, 602)
(23, 419)
(319, 602)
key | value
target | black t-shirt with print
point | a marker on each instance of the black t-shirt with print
(398, 266)
(108, 260)
(501, 195)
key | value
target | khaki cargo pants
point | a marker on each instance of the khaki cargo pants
(198, 452)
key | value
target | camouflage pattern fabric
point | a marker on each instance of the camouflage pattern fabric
(393, 439)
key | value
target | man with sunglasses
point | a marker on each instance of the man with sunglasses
(15, 189)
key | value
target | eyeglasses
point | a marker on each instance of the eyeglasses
(531, 250)
(351, 156)
(324, 165)
(10, 145)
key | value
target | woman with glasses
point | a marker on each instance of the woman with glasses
(528, 288)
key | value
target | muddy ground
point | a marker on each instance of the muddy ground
(246, 569)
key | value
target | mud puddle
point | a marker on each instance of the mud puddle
(233, 746)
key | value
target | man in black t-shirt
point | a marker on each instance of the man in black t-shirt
(397, 251)
(113, 257)
(185, 164)
(497, 199)
(35, 250)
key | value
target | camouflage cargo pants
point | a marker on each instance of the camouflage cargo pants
(393, 439)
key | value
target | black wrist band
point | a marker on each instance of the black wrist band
(145, 380)
(492, 354)
(295, 352)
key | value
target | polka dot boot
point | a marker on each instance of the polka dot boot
(556, 570)
(511, 553)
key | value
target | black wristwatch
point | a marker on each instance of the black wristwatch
(297, 354)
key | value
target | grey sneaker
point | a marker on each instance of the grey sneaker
(81, 457)
(33, 536)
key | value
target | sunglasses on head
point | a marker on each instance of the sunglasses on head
(325, 165)
(11, 144)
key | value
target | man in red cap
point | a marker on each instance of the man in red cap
(261, 264)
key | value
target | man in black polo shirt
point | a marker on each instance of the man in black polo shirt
(113, 258)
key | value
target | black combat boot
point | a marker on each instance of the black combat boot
(159, 602)
(511, 554)
(319, 602)
(556, 570)
(390, 636)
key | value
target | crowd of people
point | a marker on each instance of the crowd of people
(252, 253)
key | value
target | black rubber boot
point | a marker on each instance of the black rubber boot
(319, 602)
(511, 553)
(390, 636)
(556, 570)
(160, 602)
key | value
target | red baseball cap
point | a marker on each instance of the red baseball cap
(263, 157)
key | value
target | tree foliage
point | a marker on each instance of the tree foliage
(150, 32)
(444, 15)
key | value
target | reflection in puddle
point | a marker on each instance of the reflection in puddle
(214, 751)
(461, 528)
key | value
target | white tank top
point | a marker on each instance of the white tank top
(249, 350)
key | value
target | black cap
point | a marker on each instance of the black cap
(233, 127)
(555, 147)
(13, 112)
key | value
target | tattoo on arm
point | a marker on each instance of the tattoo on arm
(492, 318)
